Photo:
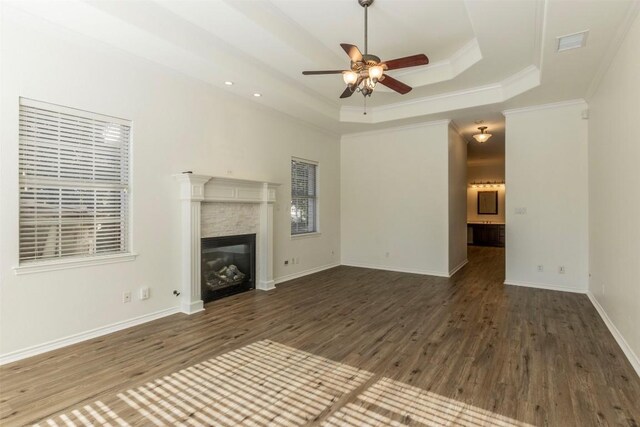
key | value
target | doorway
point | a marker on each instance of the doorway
(486, 186)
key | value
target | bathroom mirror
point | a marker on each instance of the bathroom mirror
(487, 202)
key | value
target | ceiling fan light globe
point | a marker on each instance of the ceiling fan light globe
(349, 77)
(375, 72)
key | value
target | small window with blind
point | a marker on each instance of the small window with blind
(74, 183)
(304, 197)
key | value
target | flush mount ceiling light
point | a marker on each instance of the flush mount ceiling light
(572, 41)
(228, 83)
(257, 95)
(367, 70)
(482, 136)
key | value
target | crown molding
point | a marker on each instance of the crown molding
(444, 122)
(188, 55)
(561, 104)
(614, 47)
(518, 83)
(455, 127)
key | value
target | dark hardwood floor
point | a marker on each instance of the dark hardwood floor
(347, 346)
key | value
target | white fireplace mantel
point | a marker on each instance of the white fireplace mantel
(198, 189)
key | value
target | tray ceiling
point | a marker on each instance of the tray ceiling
(485, 55)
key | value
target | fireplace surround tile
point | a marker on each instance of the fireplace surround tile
(229, 219)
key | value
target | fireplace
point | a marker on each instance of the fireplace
(198, 193)
(228, 265)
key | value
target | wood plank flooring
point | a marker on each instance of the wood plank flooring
(345, 347)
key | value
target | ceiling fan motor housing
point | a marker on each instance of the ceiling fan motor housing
(365, 3)
(367, 61)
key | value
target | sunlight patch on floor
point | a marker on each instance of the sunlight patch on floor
(270, 384)
(388, 399)
(97, 414)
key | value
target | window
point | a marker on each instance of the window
(304, 197)
(74, 183)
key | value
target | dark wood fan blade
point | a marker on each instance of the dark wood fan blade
(347, 92)
(353, 51)
(394, 84)
(408, 61)
(352, 88)
(314, 73)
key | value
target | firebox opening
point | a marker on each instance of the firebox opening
(228, 265)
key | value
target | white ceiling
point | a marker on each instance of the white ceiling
(486, 55)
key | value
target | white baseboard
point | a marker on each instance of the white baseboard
(83, 336)
(545, 286)
(458, 267)
(299, 274)
(192, 307)
(266, 285)
(631, 356)
(399, 270)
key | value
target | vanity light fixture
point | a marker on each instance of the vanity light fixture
(487, 184)
(482, 136)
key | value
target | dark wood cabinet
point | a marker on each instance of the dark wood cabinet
(486, 234)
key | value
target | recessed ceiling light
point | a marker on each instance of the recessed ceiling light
(257, 95)
(228, 83)
(572, 41)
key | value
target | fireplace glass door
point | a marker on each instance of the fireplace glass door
(228, 265)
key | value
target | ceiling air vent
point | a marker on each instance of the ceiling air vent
(572, 41)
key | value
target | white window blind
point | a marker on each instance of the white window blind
(74, 183)
(304, 198)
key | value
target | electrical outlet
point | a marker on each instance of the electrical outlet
(521, 211)
(540, 268)
(126, 297)
(286, 262)
(297, 260)
(561, 269)
(144, 293)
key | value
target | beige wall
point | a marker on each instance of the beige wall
(457, 200)
(178, 124)
(614, 193)
(546, 174)
(394, 199)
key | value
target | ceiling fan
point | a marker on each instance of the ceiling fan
(367, 70)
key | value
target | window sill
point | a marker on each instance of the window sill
(39, 267)
(305, 235)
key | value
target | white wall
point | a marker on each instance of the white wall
(546, 173)
(614, 188)
(493, 171)
(178, 124)
(457, 200)
(394, 199)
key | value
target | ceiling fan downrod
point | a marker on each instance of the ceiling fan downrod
(366, 4)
